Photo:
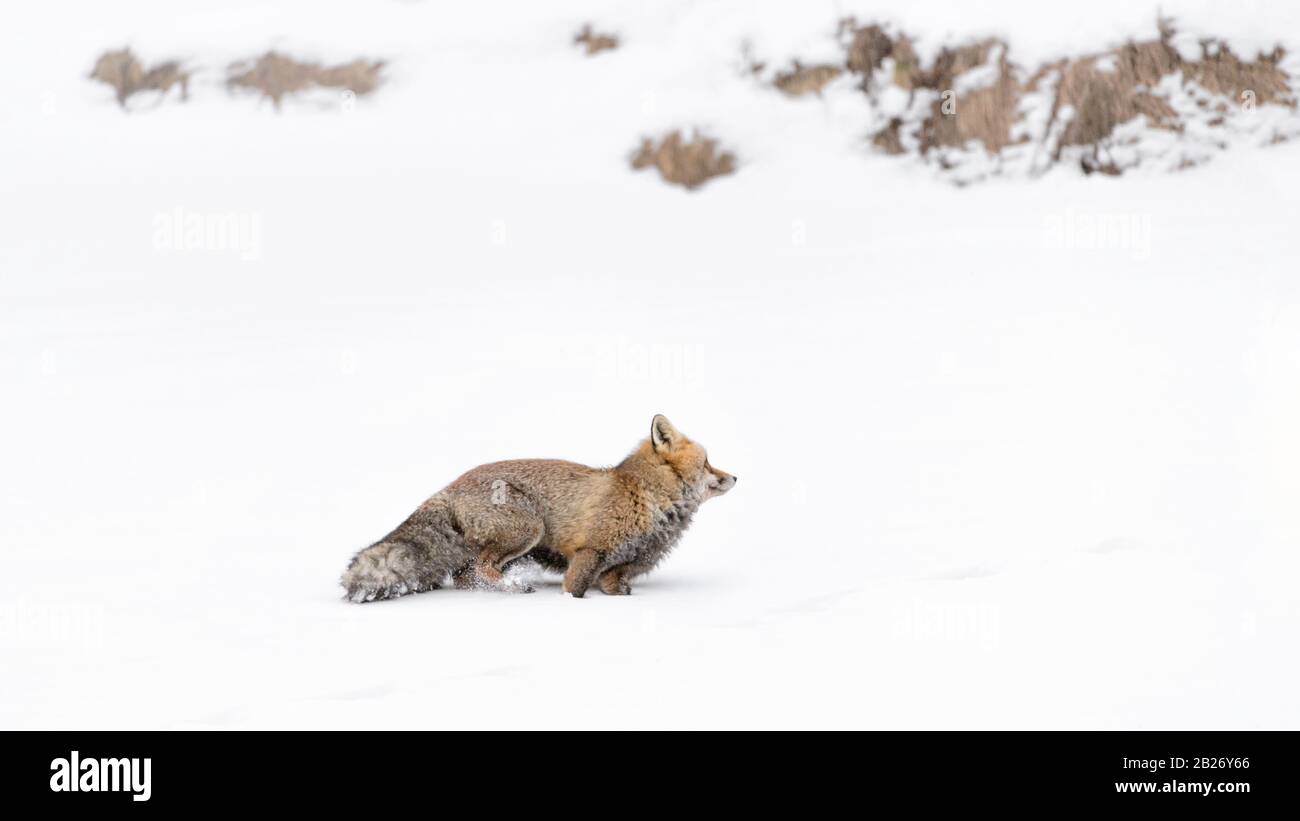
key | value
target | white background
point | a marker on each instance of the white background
(988, 478)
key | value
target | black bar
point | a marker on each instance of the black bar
(368, 771)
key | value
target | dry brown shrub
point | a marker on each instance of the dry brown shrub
(689, 164)
(1146, 62)
(594, 41)
(868, 46)
(1109, 89)
(986, 114)
(359, 76)
(1103, 90)
(952, 62)
(1103, 98)
(908, 73)
(277, 76)
(890, 138)
(1224, 73)
(801, 79)
(128, 76)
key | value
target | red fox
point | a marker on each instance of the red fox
(605, 524)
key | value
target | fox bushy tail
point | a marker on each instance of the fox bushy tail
(417, 556)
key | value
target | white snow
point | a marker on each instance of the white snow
(998, 467)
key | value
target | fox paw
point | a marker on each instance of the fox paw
(521, 576)
(618, 588)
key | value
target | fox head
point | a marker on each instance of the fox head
(688, 459)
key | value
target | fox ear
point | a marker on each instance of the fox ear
(662, 432)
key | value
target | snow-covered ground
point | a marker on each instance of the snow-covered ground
(997, 472)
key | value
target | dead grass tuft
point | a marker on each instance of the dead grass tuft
(1109, 89)
(890, 138)
(1099, 91)
(1224, 73)
(594, 41)
(128, 76)
(868, 46)
(277, 76)
(801, 79)
(953, 62)
(689, 164)
(359, 76)
(986, 114)
(908, 73)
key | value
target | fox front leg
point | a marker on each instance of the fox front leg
(582, 571)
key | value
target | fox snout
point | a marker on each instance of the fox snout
(719, 482)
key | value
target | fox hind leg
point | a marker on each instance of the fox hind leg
(501, 525)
